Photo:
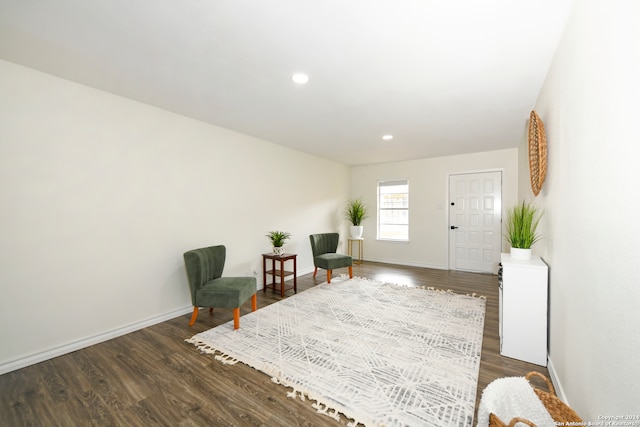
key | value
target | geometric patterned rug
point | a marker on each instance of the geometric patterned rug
(379, 354)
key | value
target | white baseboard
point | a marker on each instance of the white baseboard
(556, 381)
(41, 356)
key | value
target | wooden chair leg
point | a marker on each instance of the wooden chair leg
(328, 276)
(236, 318)
(350, 272)
(254, 303)
(315, 272)
(194, 316)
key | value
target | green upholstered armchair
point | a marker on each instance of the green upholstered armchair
(208, 287)
(324, 247)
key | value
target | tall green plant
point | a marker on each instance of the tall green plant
(356, 211)
(278, 238)
(522, 225)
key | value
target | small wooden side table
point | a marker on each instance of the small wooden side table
(281, 272)
(360, 249)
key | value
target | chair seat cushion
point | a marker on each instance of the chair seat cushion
(330, 261)
(226, 292)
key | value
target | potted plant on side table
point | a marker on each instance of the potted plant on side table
(278, 239)
(356, 212)
(522, 225)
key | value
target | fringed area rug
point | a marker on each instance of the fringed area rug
(380, 354)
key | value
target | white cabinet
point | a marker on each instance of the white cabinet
(524, 309)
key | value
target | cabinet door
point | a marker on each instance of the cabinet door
(524, 313)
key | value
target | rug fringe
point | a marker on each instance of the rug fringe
(447, 291)
(404, 285)
(326, 411)
(320, 407)
(226, 359)
(293, 394)
(205, 348)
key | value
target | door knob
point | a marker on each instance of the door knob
(453, 227)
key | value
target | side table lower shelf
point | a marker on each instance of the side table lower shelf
(281, 273)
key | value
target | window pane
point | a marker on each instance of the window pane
(394, 201)
(390, 189)
(393, 210)
(394, 217)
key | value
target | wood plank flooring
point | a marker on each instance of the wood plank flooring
(153, 377)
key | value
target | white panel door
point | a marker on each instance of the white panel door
(475, 221)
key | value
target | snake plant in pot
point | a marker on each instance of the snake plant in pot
(278, 239)
(522, 229)
(356, 212)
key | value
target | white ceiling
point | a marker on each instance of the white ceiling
(444, 77)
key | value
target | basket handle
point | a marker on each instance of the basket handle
(544, 378)
(513, 422)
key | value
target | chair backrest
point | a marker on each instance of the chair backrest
(324, 243)
(204, 265)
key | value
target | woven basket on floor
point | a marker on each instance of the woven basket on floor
(494, 421)
(559, 411)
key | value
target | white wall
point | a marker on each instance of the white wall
(428, 199)
(102, 195)
(589, 104)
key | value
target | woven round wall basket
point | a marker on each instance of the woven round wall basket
(537, 153)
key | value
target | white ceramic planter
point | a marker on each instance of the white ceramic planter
(521, 254)
(278, 250)
(356, 231)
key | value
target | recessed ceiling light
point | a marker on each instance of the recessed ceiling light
(300, 78)
(387, 137)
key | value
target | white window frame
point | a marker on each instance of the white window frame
(381, 233)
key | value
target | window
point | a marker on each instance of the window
(393, 210)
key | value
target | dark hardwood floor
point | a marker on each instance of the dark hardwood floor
(153, 377)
